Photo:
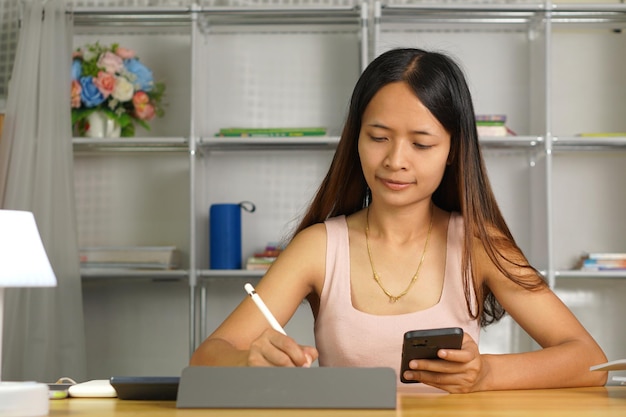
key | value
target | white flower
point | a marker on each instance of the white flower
(123, 90)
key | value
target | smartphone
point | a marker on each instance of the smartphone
(424, 344)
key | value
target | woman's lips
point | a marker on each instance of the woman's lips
(395, 185)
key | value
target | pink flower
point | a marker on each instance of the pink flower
(145, 112)
(110, 62)
(124, 53)
(76, 90)
(140, 98)
(143, 109)
(105, 83)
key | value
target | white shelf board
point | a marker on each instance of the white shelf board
(587, 142)
(131, 144)
(230, 273)
(520, 142)
(589, 274)
(106, 273)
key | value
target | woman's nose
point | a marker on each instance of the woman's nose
(396, 156)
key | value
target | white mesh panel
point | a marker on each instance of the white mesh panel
(9, 20)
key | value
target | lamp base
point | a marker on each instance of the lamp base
(23, 399)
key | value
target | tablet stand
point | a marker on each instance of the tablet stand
(265, 387)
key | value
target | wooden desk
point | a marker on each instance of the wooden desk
(575, 402)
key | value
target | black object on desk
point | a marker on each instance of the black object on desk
(268, 387)
(146, 387)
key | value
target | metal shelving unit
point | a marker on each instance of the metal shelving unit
(265, 22)
(604, 23)
(530, 24)
(198, 22)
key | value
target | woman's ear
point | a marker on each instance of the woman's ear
(451, 156)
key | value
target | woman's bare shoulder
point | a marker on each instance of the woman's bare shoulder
(310, 236)
(307, 248)
(303, 260)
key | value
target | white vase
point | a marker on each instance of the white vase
(99, 125)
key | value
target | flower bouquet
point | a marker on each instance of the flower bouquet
(112, 80)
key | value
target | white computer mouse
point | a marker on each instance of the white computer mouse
(97, 388)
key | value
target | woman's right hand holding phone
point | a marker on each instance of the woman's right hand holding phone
(460, 371)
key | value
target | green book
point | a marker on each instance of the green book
(272, 132)
(489, 123)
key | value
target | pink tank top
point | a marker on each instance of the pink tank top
(345, 336)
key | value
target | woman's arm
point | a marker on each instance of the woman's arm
(564, 360)
(568, 350)
(245, 338)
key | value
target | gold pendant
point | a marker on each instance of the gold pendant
(394, 298)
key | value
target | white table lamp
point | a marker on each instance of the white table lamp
(23, 263)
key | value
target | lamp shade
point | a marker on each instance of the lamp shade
(23, 263)
(23, 259)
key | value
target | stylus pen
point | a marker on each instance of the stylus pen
(266, 311)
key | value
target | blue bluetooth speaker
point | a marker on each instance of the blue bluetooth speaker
(225, 234)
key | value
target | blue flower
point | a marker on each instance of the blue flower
(90, 95)
(143, 79)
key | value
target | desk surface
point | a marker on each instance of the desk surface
(574, 402)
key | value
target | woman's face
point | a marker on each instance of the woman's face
(402, 147)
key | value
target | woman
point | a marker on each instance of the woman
(404, 234)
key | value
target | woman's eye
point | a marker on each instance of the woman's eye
(421, 146)
(378, 138)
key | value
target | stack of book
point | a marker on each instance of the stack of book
(261, 261)
(242, 132)
(492, 125)
(130, 257)
(602, 262)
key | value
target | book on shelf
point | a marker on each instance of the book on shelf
(605, 255)
(258, 264)
(603, 265)
(492, 130)
(263, 260)
(130, 257)
(494, 118)
(602, 262)
(492, 125)
(238, 132)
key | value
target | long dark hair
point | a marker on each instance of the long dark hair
(439, 83)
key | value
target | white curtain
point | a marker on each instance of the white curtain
(44, 328)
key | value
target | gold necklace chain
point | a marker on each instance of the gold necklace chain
(395, 298)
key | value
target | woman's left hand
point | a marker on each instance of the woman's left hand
(460, 371)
